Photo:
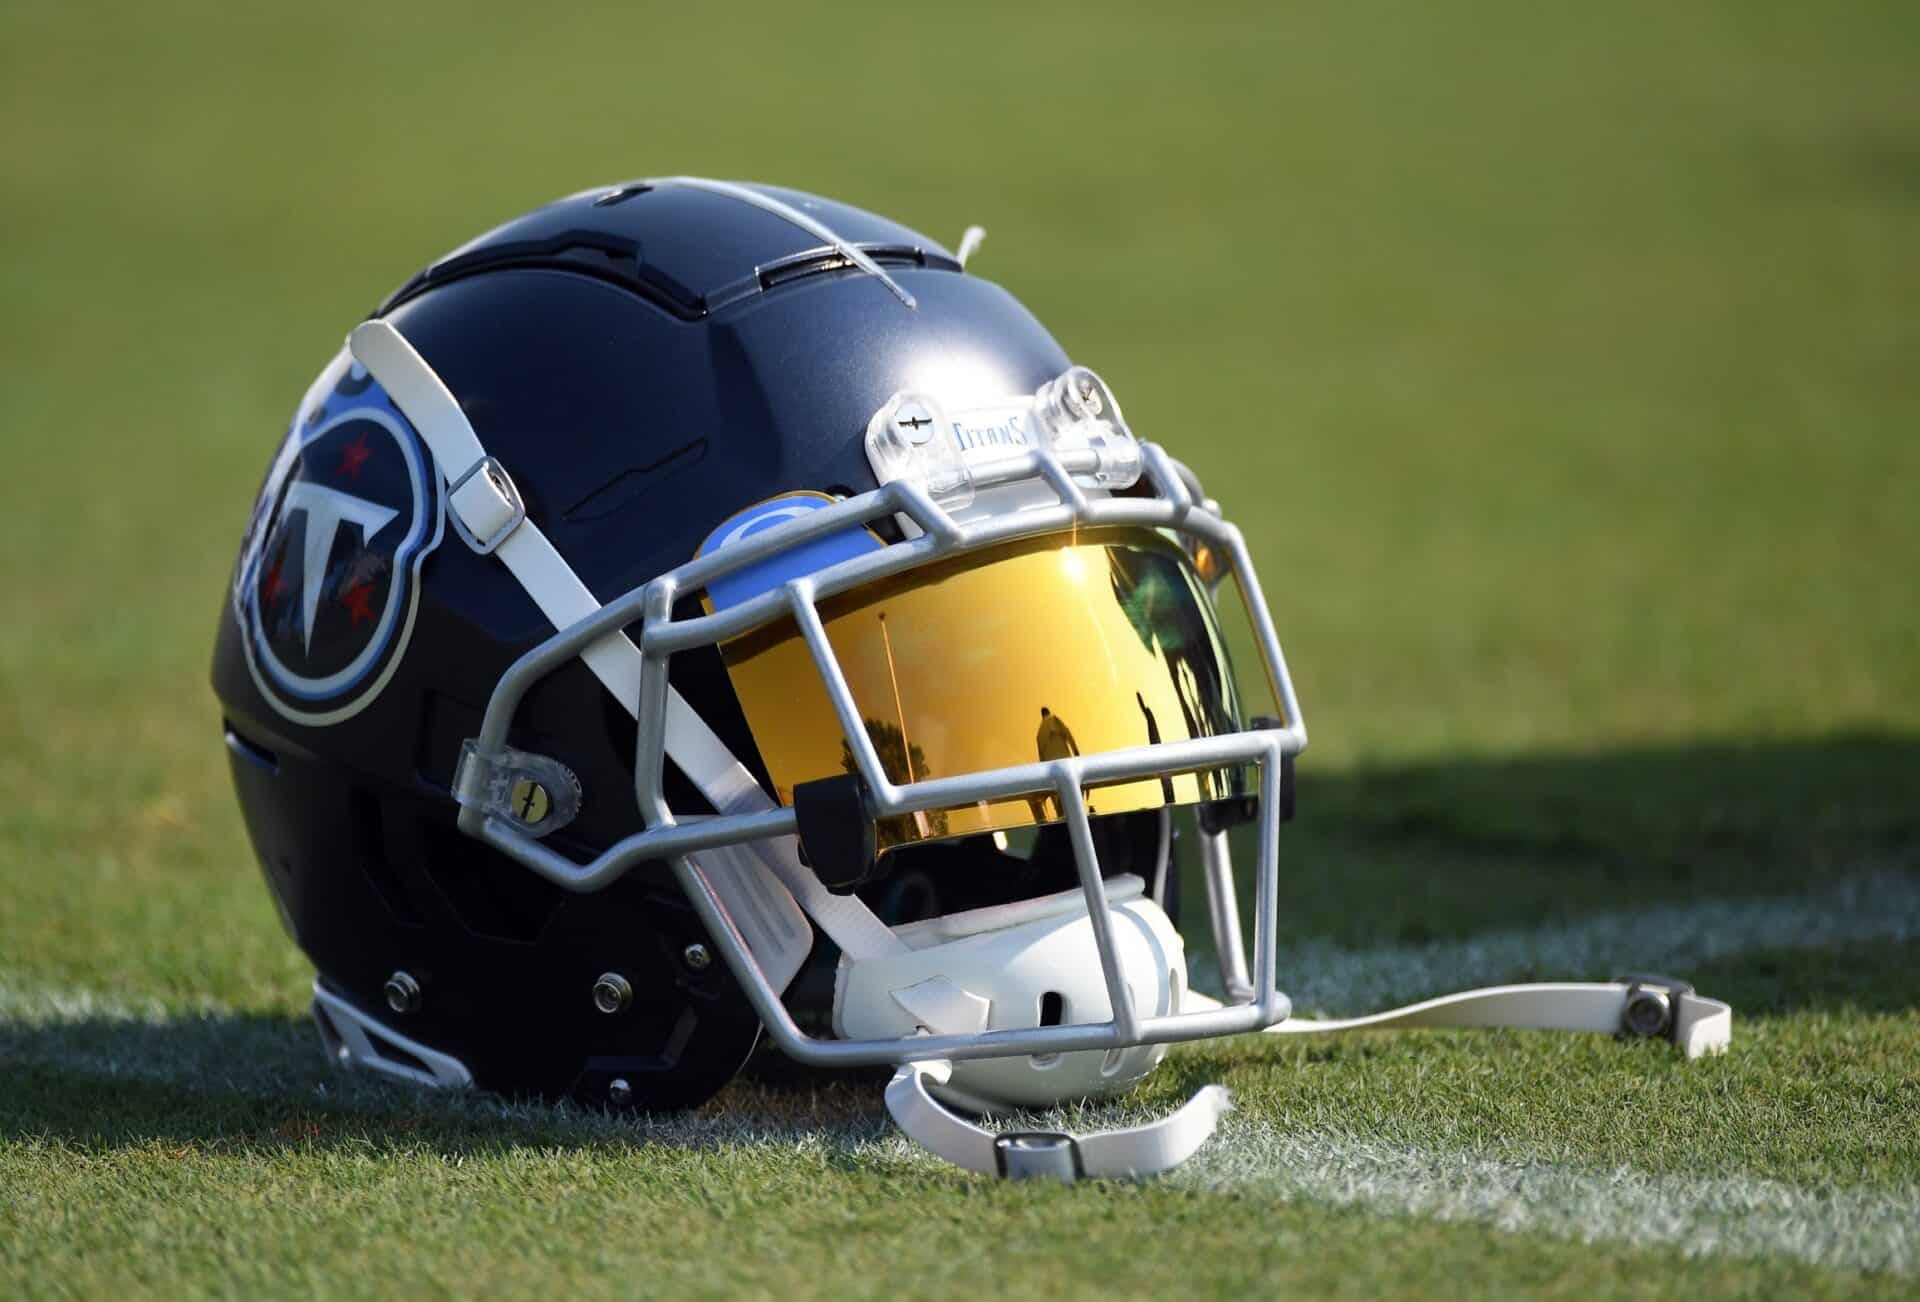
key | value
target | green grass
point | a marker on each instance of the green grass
(1559, 365)
(614, 1220)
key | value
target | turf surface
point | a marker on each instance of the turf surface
(1559, 365)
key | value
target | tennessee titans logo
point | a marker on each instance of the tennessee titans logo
(328, 579)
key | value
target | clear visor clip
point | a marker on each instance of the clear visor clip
(535, 793)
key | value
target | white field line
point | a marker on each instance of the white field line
(1673, 939)
(1700, 1216)
(207, 1050)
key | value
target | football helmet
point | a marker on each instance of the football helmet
(695, 609)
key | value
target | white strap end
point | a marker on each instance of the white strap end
(1644, 1007)
(1702, 1026)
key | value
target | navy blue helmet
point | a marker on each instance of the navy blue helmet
(692, 609)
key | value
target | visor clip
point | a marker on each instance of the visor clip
(1038, 1155)
(835, 825)
(535, 794)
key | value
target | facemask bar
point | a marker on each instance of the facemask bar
(1173, 507)
(1216, 858)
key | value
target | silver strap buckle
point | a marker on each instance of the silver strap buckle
(1037, 1155)
(487, 507)
(1651, 1007)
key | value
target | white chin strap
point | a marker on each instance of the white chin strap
(1645, 1006)
(1648, 1006)
(1026, 1155)
(770, 895)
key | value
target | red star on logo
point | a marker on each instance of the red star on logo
(355, 457)
(276, 584)
(355, 599)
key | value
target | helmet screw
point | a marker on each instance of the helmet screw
(531, 803)
(403, 993)
(697, 956)
(619, 1092)
(913, 422)
(612, 993)
(1090, 396)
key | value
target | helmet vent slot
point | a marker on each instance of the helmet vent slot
(814, 262)
(252, 751)
(620, 194)
(1053, 1012)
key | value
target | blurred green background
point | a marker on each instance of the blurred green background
(1560, 363)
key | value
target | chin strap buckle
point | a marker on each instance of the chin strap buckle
(1044, 1154)
(1038, 1155)
(1653, 1004)
(487, 507)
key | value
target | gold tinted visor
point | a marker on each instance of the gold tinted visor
(1047, 649)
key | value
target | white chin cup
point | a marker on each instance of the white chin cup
(994, 969)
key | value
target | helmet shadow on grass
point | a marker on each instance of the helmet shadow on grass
(1777, 875)
(248, 1082)
(1411, 853)
(257, 1083)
